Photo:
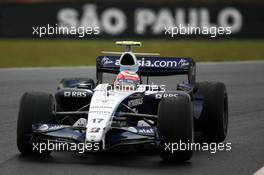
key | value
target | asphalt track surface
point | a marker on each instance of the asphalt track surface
(245, 85)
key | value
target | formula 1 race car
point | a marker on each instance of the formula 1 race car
(128, 112)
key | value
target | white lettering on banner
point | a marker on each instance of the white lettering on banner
(205, 18)
(234, 15)
(68, 17)
(164, 18)
(114, 21)
(113, 14)
(90, 17)
(145, 18)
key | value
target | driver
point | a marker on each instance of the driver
(127, 80)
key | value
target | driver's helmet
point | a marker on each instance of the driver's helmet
(127, 79)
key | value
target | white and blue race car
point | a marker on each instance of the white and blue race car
(111, 116)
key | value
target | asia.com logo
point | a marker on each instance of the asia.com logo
(185, 146)
(158, 63)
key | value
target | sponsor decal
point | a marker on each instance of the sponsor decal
(82, 122)
(142, 123)
(100, 112)
(146, 131)
(93, 137)
(160, 62)
(159, 96)
(138, 95)
(101, 107)
(75, 94)
(106, 61)
(135, 102)
(94, 130)
(108, 101)
(132, 129)
(43, 127)
(46, 127)
(97, 120)
(55, 127)
(183, 63)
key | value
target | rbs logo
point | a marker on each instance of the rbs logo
(75, 94)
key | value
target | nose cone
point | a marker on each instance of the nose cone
(101, 111)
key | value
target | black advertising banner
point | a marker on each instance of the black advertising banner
(131, 20)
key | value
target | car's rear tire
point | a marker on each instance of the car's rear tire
(214, 117)
(35, 107)
(88, 83)
(74, 83)
(175, 126)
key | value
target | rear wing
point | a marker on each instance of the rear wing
(148, 66)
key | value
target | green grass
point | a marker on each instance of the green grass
(39, 53)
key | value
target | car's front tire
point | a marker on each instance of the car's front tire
(175, 126)
(35, 107)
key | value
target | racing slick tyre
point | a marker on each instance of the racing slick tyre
(175, 128)
(86, 83)
(214, 117)
(35, 107)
